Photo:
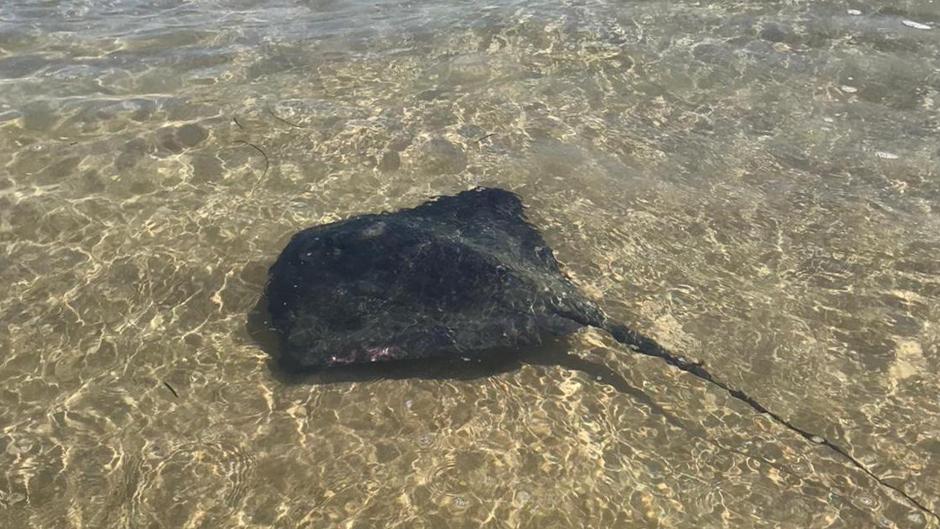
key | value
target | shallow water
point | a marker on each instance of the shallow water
(755, 183)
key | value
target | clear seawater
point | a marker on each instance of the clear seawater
(754, 183)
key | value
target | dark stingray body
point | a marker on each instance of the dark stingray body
(458, 276)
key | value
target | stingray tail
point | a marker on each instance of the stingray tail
(649, 347)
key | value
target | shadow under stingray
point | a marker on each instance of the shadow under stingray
(550, 354)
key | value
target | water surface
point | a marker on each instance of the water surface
(754, 183)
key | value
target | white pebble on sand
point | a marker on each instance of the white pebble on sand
(915, 25)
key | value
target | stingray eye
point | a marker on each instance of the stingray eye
(312, 255)
(373, 230)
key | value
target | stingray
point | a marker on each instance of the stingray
(459, 277)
